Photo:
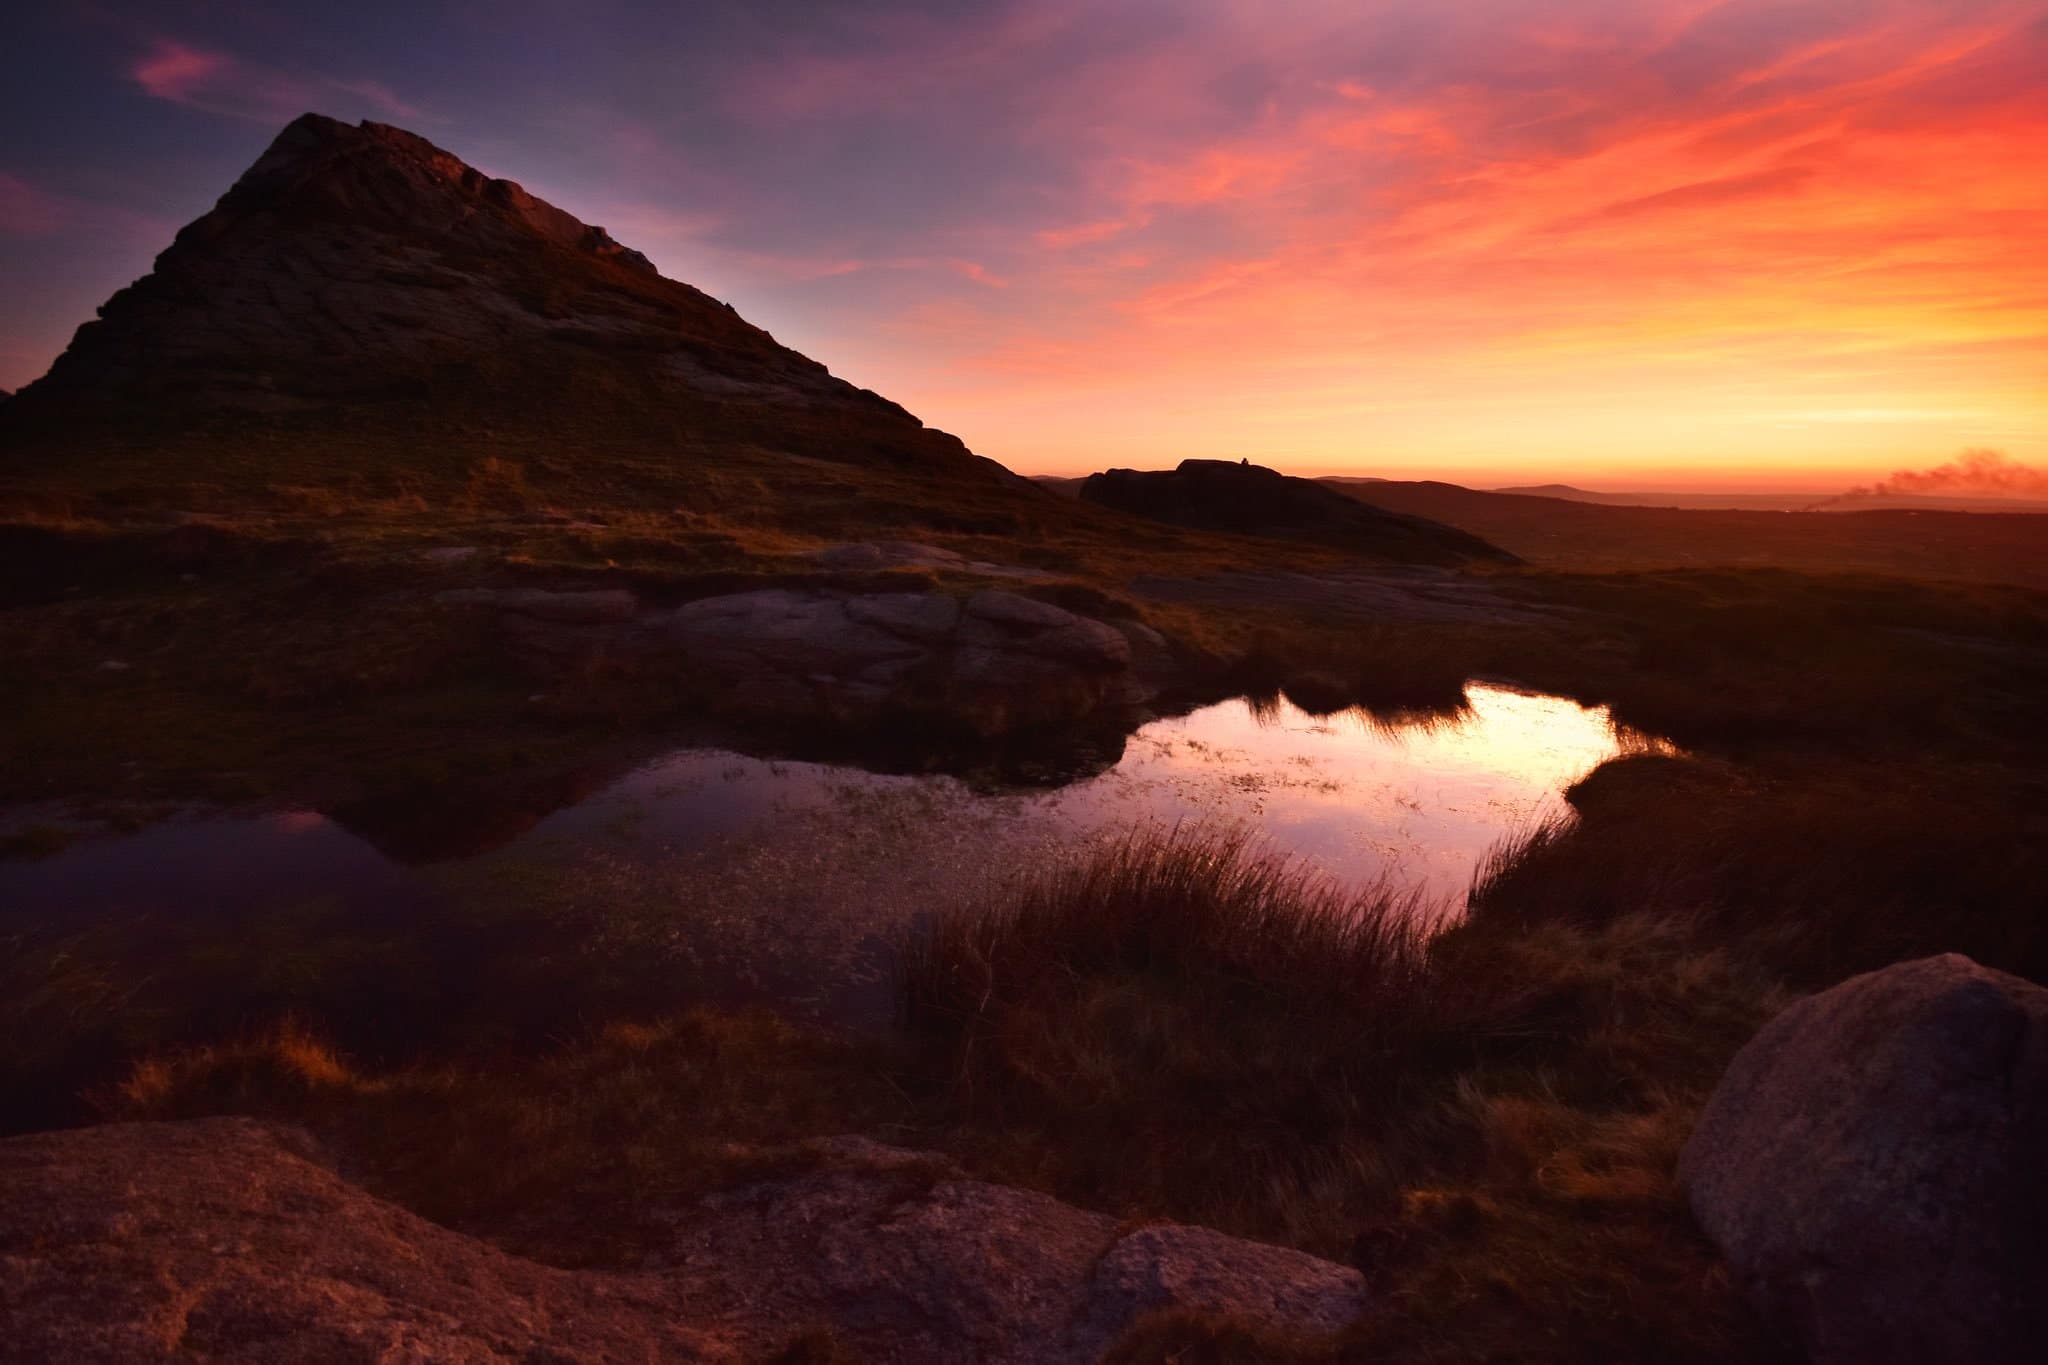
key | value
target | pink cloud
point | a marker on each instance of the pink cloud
(172, 71)
(218, 83)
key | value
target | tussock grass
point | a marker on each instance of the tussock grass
(1157, 992)
(1818, 873)
(572, 1156)
(1487, 1122)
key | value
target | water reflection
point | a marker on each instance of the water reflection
(712, 875)
(1356, 795)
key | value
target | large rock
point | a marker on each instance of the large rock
(1874, 1165)
(230, 1240)
(999, 660)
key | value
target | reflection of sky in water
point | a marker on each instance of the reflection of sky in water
(1420, 804)
(787, 880)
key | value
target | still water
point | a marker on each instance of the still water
(788, 881)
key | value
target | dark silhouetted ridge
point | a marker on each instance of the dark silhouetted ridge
(1249, 499)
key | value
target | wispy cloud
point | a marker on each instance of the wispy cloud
(219, 83)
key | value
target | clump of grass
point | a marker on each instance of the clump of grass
(1180, 1023)
(1487, 1122)
(573, 1154)
(496, 484)
(287, 1068)
(1815, 873)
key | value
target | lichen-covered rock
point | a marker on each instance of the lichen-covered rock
(230, 1240)
(1872, 1167)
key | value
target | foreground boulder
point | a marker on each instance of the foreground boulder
(231, 1240)
(1872, 1165)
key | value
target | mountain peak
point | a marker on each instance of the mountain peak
(375, 173)
(362, 273)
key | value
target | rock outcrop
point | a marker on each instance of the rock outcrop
(994, 659)
(231, 1240)
(1249, 499)
(1871, 1166)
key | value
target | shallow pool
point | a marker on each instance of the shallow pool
(759, 879)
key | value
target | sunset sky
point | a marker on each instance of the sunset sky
(1651, 243)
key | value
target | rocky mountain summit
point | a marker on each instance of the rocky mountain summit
(362, 266)
(1248, 499)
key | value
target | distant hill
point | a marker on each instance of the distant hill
(1249, 499)
(1781, 502)
(1565, 533)
(1749, 502)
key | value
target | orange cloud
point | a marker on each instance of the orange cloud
(1704, 251)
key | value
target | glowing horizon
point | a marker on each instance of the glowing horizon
(1665, 244)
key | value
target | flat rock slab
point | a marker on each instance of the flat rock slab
(996, 660)
(999, 658)
(230, 1240)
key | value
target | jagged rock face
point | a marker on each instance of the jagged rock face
(1871, 1165)
(232, 1240)
(352, 264)
(1249, 499)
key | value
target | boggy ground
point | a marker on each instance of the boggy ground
(1486, 1123)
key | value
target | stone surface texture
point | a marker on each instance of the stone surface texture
(1872, 1167)
(998, 659)
(232, 1240)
